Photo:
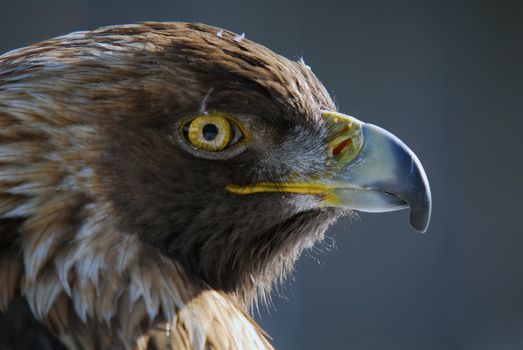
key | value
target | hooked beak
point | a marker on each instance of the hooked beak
(370, 170)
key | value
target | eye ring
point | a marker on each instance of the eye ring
(214, 135)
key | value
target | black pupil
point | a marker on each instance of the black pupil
(210, 132)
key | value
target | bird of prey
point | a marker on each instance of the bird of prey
(157, 179)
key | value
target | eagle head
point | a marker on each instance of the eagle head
(174, 143)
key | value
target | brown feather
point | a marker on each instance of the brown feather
(82, 144)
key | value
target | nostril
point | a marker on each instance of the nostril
(341, 147)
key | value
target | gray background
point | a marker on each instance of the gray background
(447, 78)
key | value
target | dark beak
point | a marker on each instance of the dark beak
(382, 174)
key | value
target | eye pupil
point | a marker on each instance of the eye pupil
(210, 132)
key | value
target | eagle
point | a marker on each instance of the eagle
(157, 180)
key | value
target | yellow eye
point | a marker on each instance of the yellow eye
(212, 132)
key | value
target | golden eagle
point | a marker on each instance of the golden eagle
(157, 179)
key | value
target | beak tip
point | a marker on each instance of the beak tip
(420, 219)
(421, 229)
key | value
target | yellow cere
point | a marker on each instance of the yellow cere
(345, 137)
(209, 132)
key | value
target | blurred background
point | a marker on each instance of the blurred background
(444, 76)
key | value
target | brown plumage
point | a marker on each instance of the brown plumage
(116, 233)
(92, 268)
